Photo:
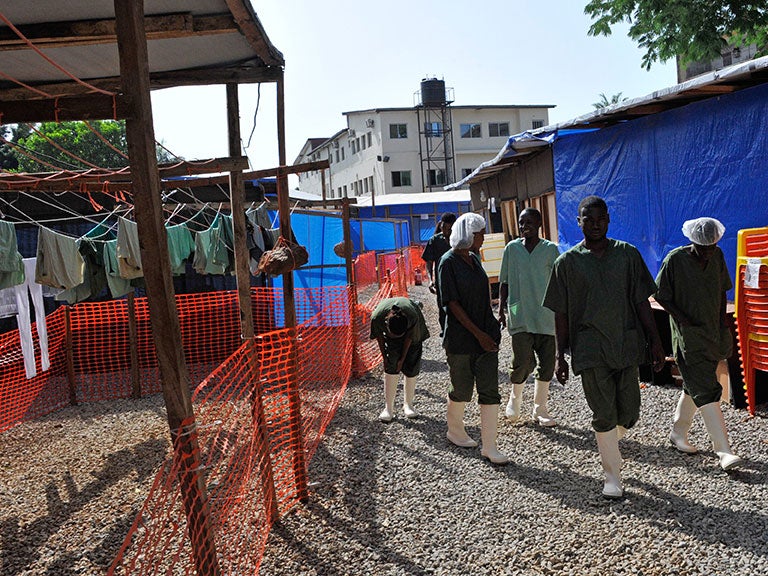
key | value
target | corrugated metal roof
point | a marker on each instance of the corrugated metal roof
(416, 198)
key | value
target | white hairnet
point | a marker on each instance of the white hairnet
(703, 231)
(462, 233)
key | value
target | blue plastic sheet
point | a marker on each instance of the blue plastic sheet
(704, 159)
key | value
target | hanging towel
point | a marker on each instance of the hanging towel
(59, 263)
(21, 293)
(180, 247)
(118, 286)
(128, 250)
(11, 268)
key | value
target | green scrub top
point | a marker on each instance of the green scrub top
(599, 296)
(698, 293)
(526, 275)
(468, 285)
(412, 313)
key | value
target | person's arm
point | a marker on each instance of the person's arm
(431, 269)
(724, 320)
(380, 340)
(406, 346)
(651, 332)
(503, 297)
(486, 342)
(562, 339)
(673, 311)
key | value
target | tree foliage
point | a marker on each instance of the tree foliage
(605, 101)
(692, 29)
(42, 149)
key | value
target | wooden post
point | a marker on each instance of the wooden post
(134, 346)
(243, 272)
(70, 356)
(322, 184)
(134, 71)
(347, 243)
(299, 466)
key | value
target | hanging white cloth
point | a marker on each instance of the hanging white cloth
(22, 292)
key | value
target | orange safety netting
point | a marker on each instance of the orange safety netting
(414, 262)
(365, 269)
(752, 308)
(261, 408)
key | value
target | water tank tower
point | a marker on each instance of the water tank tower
(433, 113)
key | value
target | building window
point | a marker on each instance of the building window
(365, 185)
(398, 131)
(362, 142)
(370, 185)
(357, 144)
(342, 153)
(537, 124)
(401, 178)
(337, 155)
(433, 129)
(339, 191)
(466, 172)
(471, 131)
(436, 177)
(498, 129)
(345, 190)
(369, 139)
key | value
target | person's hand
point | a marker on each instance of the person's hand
(487, 343)
(658, 356)
(432, 288)
(502, 317)
(561, 370)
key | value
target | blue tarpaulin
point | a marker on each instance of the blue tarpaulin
(706, 159)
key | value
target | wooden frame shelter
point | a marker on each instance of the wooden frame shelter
(99, 59)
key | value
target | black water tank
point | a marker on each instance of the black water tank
(432, 92)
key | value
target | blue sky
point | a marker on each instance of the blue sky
(352, 55)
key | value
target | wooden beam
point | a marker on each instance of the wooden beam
(92, 107)
(254, 32)
(164, 318)
(249, 72)
(90, 32)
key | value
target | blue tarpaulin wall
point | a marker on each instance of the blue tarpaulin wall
(705, 159)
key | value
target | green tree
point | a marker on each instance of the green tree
(42, 149)
(691, 29)
(605, 101)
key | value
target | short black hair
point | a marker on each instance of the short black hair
(592, 201)
(533, 211)
(448, 218)
(397, 323)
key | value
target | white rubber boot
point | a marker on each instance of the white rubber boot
(610, 457)
(455, 419)
(489, 425)
(390, 390)
(684, 413)
(512, 411)
(409, 392)
(540, 397)
(715, 423)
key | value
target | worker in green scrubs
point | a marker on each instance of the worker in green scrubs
(692, 283)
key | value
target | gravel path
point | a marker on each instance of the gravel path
(398, 499)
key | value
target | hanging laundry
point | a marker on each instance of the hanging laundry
(59, 263)
(210, 250)
(11, 268)
(15, 301)
(181, 244)
(128, 250)
(118, 286)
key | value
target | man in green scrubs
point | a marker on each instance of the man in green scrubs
(599, 293)
(525, 270)
(471, 337)
(692, 284)
(433, 252)
(398, 325)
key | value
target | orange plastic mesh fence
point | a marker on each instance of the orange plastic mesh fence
(258, 424)
(365, 269)
(414, 261)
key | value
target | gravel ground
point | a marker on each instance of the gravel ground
(398, 499)
(392, 499)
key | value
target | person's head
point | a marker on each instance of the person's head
(593, 218)
(396, 322)
(468, 232)
(529, 223)
(704, 233)
(446, 223)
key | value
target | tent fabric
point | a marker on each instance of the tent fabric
(709, 158)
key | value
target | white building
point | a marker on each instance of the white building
(411, 150)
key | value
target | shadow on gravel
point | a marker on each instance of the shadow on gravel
(22, 546)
